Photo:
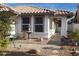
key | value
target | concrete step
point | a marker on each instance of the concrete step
(55, 39)
(31, 41)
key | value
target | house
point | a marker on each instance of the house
(41, 22)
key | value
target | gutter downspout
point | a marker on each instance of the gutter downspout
(71, 18)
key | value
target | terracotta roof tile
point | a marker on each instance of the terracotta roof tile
(62, 12)
(4, 8)
(30, 9)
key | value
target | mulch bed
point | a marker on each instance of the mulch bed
(67, 50)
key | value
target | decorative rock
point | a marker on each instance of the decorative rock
(73, 52)
(34, 51)
(41, 39)
(38, 51)
(55, 51)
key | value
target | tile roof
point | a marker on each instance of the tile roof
(30, 9)
(5, 8)
(62, 13)
(6, 11)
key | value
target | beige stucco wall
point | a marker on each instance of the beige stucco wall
(49, 27)
(18, 26)
(64, 26)
(52, 26)
(46, 29)
(75, 27)
(34, 34)
(70, 27)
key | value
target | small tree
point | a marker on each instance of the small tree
(75, 39)
(74, 36)
(6, 19)
(5, 27)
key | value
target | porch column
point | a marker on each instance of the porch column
(18, 27)
(64, 26)
(32, 23)
(46, 24)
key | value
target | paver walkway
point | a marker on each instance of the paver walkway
(44, 49)
(23, 47)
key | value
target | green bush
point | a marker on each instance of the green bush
(74, 35)
(4, 44)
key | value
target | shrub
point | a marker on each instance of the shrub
(74, 35)
(4, 44)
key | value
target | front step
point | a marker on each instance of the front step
(55, 39)
(31, 41)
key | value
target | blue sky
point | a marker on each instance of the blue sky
(64, 6)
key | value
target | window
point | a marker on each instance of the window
(26, 20)
(39, 24)
(38, 28)
(25, 27)
(25, 23)
(39, 20)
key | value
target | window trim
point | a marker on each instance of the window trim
(39, 24)
(25, 24)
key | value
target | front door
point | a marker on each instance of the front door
(58, 25)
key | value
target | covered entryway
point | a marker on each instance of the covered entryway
(61, 25)
(58, 25)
